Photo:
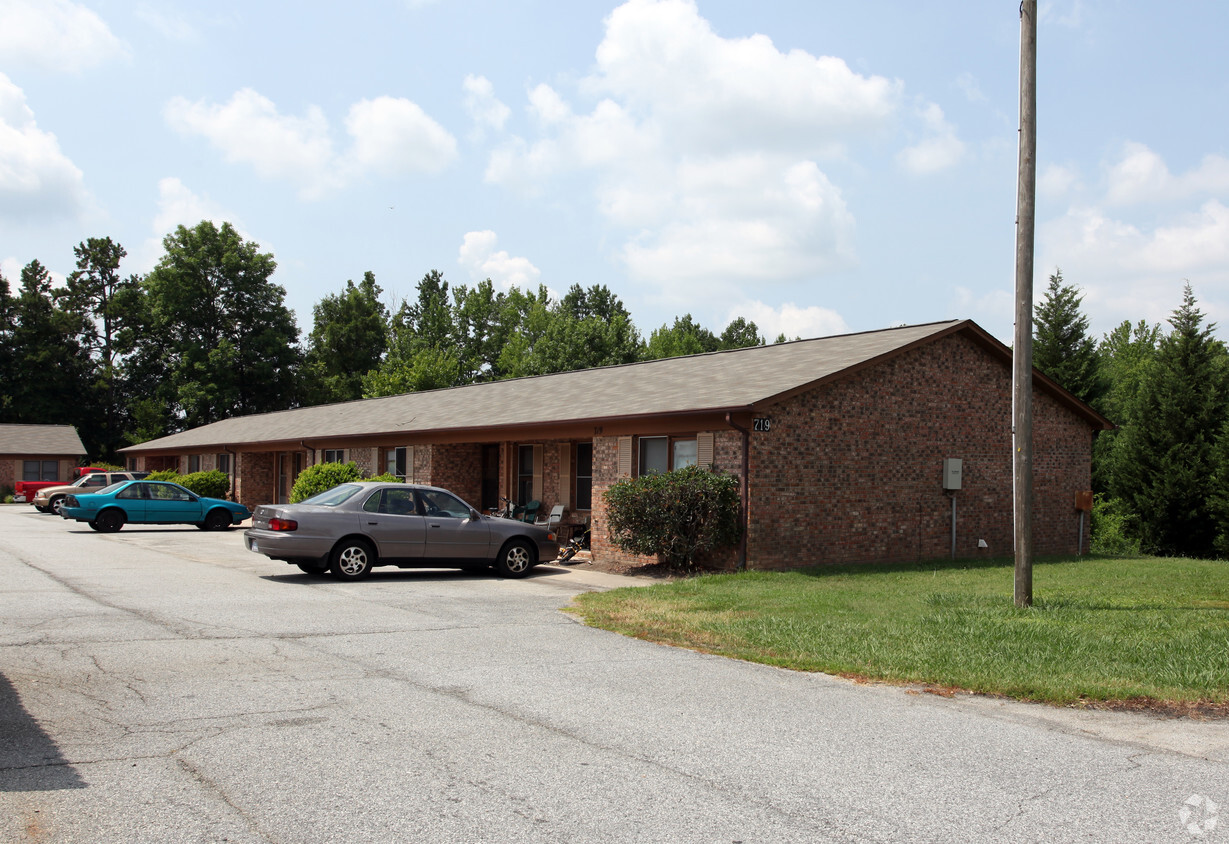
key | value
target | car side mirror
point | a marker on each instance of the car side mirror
(474, 515)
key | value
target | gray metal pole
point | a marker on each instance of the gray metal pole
(1022, 370)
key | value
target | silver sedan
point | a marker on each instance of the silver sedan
(353, 527)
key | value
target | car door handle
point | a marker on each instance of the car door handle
(373, 523)
(435, 525)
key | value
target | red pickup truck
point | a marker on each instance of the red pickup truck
(24, 490)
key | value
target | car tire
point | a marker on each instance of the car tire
(516, 558)
(55, 504)
(42, 509)
(108, 521)
(352, 559)
(217, 519)
(313, 567)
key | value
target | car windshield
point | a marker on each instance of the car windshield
(333, 497)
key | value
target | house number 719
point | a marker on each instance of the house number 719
(761, 424)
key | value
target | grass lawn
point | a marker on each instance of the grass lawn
(1101, 629)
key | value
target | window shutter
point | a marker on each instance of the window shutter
(537, 472)
(704, 450)
(409, 464)
(625, 457)
(565, 474)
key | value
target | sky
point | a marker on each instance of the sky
(815, 167)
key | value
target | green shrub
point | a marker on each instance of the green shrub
(164, 475)
(323, 476)
(678, 516)
(213, 484)
(1112, 528)
(385, 478)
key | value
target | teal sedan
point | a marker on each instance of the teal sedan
(151, 503)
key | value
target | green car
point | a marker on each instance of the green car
(151, 503)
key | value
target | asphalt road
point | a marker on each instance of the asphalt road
(168, 686)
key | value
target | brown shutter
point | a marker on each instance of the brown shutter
(625, 457)
(537, 472)
(704, 450)
(409, 464)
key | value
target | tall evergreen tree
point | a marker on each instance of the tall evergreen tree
(1164, 466)
(8, 352)
(1062, 347)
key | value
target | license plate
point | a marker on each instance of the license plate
(252, 546)
(20, 498)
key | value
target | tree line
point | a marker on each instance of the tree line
(1161, 476)
(206, 335)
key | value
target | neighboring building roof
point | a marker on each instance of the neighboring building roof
(48, 440)
(735, 380)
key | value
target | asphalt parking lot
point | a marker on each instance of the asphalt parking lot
(167, 685)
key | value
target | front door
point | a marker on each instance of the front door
(490, 477)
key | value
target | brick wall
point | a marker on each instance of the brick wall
(455, 467)
(256, 480)
(851, 472)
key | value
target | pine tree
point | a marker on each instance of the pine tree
(1062, 348)
(1164, 468)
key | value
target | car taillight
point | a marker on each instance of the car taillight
(283, 524)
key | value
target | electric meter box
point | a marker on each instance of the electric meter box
(952, 470)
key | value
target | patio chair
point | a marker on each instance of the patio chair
(551, 521)
(531, 511)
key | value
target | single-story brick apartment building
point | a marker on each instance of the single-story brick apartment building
(839, 443)
(38, 453)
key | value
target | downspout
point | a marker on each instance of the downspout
(745, 514)
(313, 451)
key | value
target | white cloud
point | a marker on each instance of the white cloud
(389, 136)
(483, 107)
(967, 83)
(479, 257)
(1057, 180)
(939, 150)
(36, 178)
(179, 206)
(790, 319)
(56, 35)
(705, 149)
(1141, 175)
(169, 26)
(392, 136)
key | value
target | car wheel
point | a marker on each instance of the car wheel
(352, 559)
(55, 505)
(42, 509)
(108, 521)
(217, 519)
(313, 567)
(515, 559)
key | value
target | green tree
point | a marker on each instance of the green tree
(422, 354)
(51, 372)
(1125, 353)
(741, 334)
(348, 339)
(479, 331)
(8, 352)
(218, 327)
(104, 299)
(1062, 347)
(586, 329)
(1164, 468)
(685, 337)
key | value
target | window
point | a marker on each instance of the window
(224, 463)
(584, 476)
(397, 461)
(40, 470)
(334, 455)
(194, 463)
(398, 502)
(434, 502)
(524, 474)
(662, 454)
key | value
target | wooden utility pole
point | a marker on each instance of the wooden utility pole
(1022, 368)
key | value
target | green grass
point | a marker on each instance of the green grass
(1101, 629)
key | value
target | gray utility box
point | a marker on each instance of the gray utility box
(952, 470)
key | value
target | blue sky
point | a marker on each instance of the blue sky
(815, 167)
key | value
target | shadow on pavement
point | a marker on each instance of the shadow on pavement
(29, 758)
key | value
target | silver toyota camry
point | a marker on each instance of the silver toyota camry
(355, 526)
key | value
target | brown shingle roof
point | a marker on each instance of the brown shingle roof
(718, 381)
(49, 440)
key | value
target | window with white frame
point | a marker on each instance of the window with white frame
(399, 461)
(334, 455)
(662, 454)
